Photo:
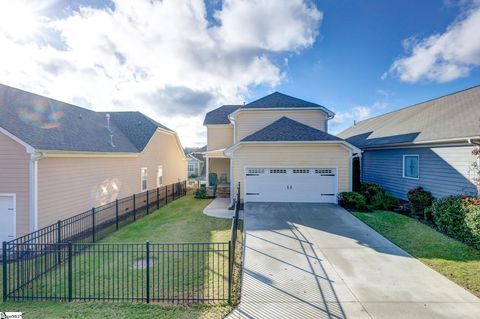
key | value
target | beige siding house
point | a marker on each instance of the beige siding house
(57, 159)
(279, 150)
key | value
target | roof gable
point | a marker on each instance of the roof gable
(452, 116)
(286, 129)
(50, 125)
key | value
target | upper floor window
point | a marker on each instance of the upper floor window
(191, 168)
(144, 179)
(159, 176)
(411, 165)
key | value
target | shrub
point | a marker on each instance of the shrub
(419, 200)
(459, 217)
(352, 200)
(383, 201)
(369, 190)
(201, 193)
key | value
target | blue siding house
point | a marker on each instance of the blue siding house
(429, 144)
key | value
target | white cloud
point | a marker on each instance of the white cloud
(163, 58)
(442, 57)
(343, 120)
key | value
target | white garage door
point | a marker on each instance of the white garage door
(7, 217)
(301, 185)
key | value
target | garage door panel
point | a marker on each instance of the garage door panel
(309, 185)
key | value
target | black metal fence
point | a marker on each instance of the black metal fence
(141, 272)
(165, 272)
(97, 223)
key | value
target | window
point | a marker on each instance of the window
(191, 168)
(144, 179)
(410, 166)
(159, 176)
(278, 171)
(301, 171)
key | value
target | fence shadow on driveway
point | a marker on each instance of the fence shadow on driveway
(284, 276)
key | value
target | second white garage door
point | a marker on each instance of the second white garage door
(300, 185)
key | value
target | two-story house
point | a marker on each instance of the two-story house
(279, 150)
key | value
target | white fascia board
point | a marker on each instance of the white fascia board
(329, 113)
(351, 148)
(428, 143)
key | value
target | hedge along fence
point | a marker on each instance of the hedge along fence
(160, 272)
(99, 222)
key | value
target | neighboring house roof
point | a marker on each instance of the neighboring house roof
(272, 101)
(453, 116)
(286, 129)
(50, 125)
(136, 126)
(220, 115)
(194, 158)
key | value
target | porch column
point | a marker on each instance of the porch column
(206, 170)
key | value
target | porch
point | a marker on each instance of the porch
(219, 164)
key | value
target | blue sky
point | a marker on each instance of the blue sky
(175, 60)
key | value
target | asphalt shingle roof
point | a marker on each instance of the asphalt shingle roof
(48, 124)
(279, 100)
(456, 115)
(220, 115)
(288, 130)
(274, 100)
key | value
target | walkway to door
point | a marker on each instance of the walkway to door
(319, 261)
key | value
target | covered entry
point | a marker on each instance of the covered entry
(282, 184)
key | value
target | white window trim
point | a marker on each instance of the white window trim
(403, 166)
(158, 175)
(141, 178)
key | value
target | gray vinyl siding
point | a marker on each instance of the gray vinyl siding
(443, 170)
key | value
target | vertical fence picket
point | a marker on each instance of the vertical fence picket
(4, 274)
(93, 224)
(134, 209)
(70, 274)
(116, 214)
(147, 247)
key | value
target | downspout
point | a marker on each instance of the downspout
(33, 190)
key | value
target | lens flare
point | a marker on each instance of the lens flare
(105, 192)
(41, 114)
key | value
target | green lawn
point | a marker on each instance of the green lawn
(453, 259)
(180, 221)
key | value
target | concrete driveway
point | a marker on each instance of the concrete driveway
(319, 261)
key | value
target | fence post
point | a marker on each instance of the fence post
(148, 271)
(166, 194)
(173, 191)
(70, 271)
(59, 240)
(93, 224)
(4, 262)
(158, 197)
(116, 214)
(230, 271)
(134, 209)
(148, 205)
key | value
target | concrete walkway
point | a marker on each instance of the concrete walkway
(319, 261)
(219, 208)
